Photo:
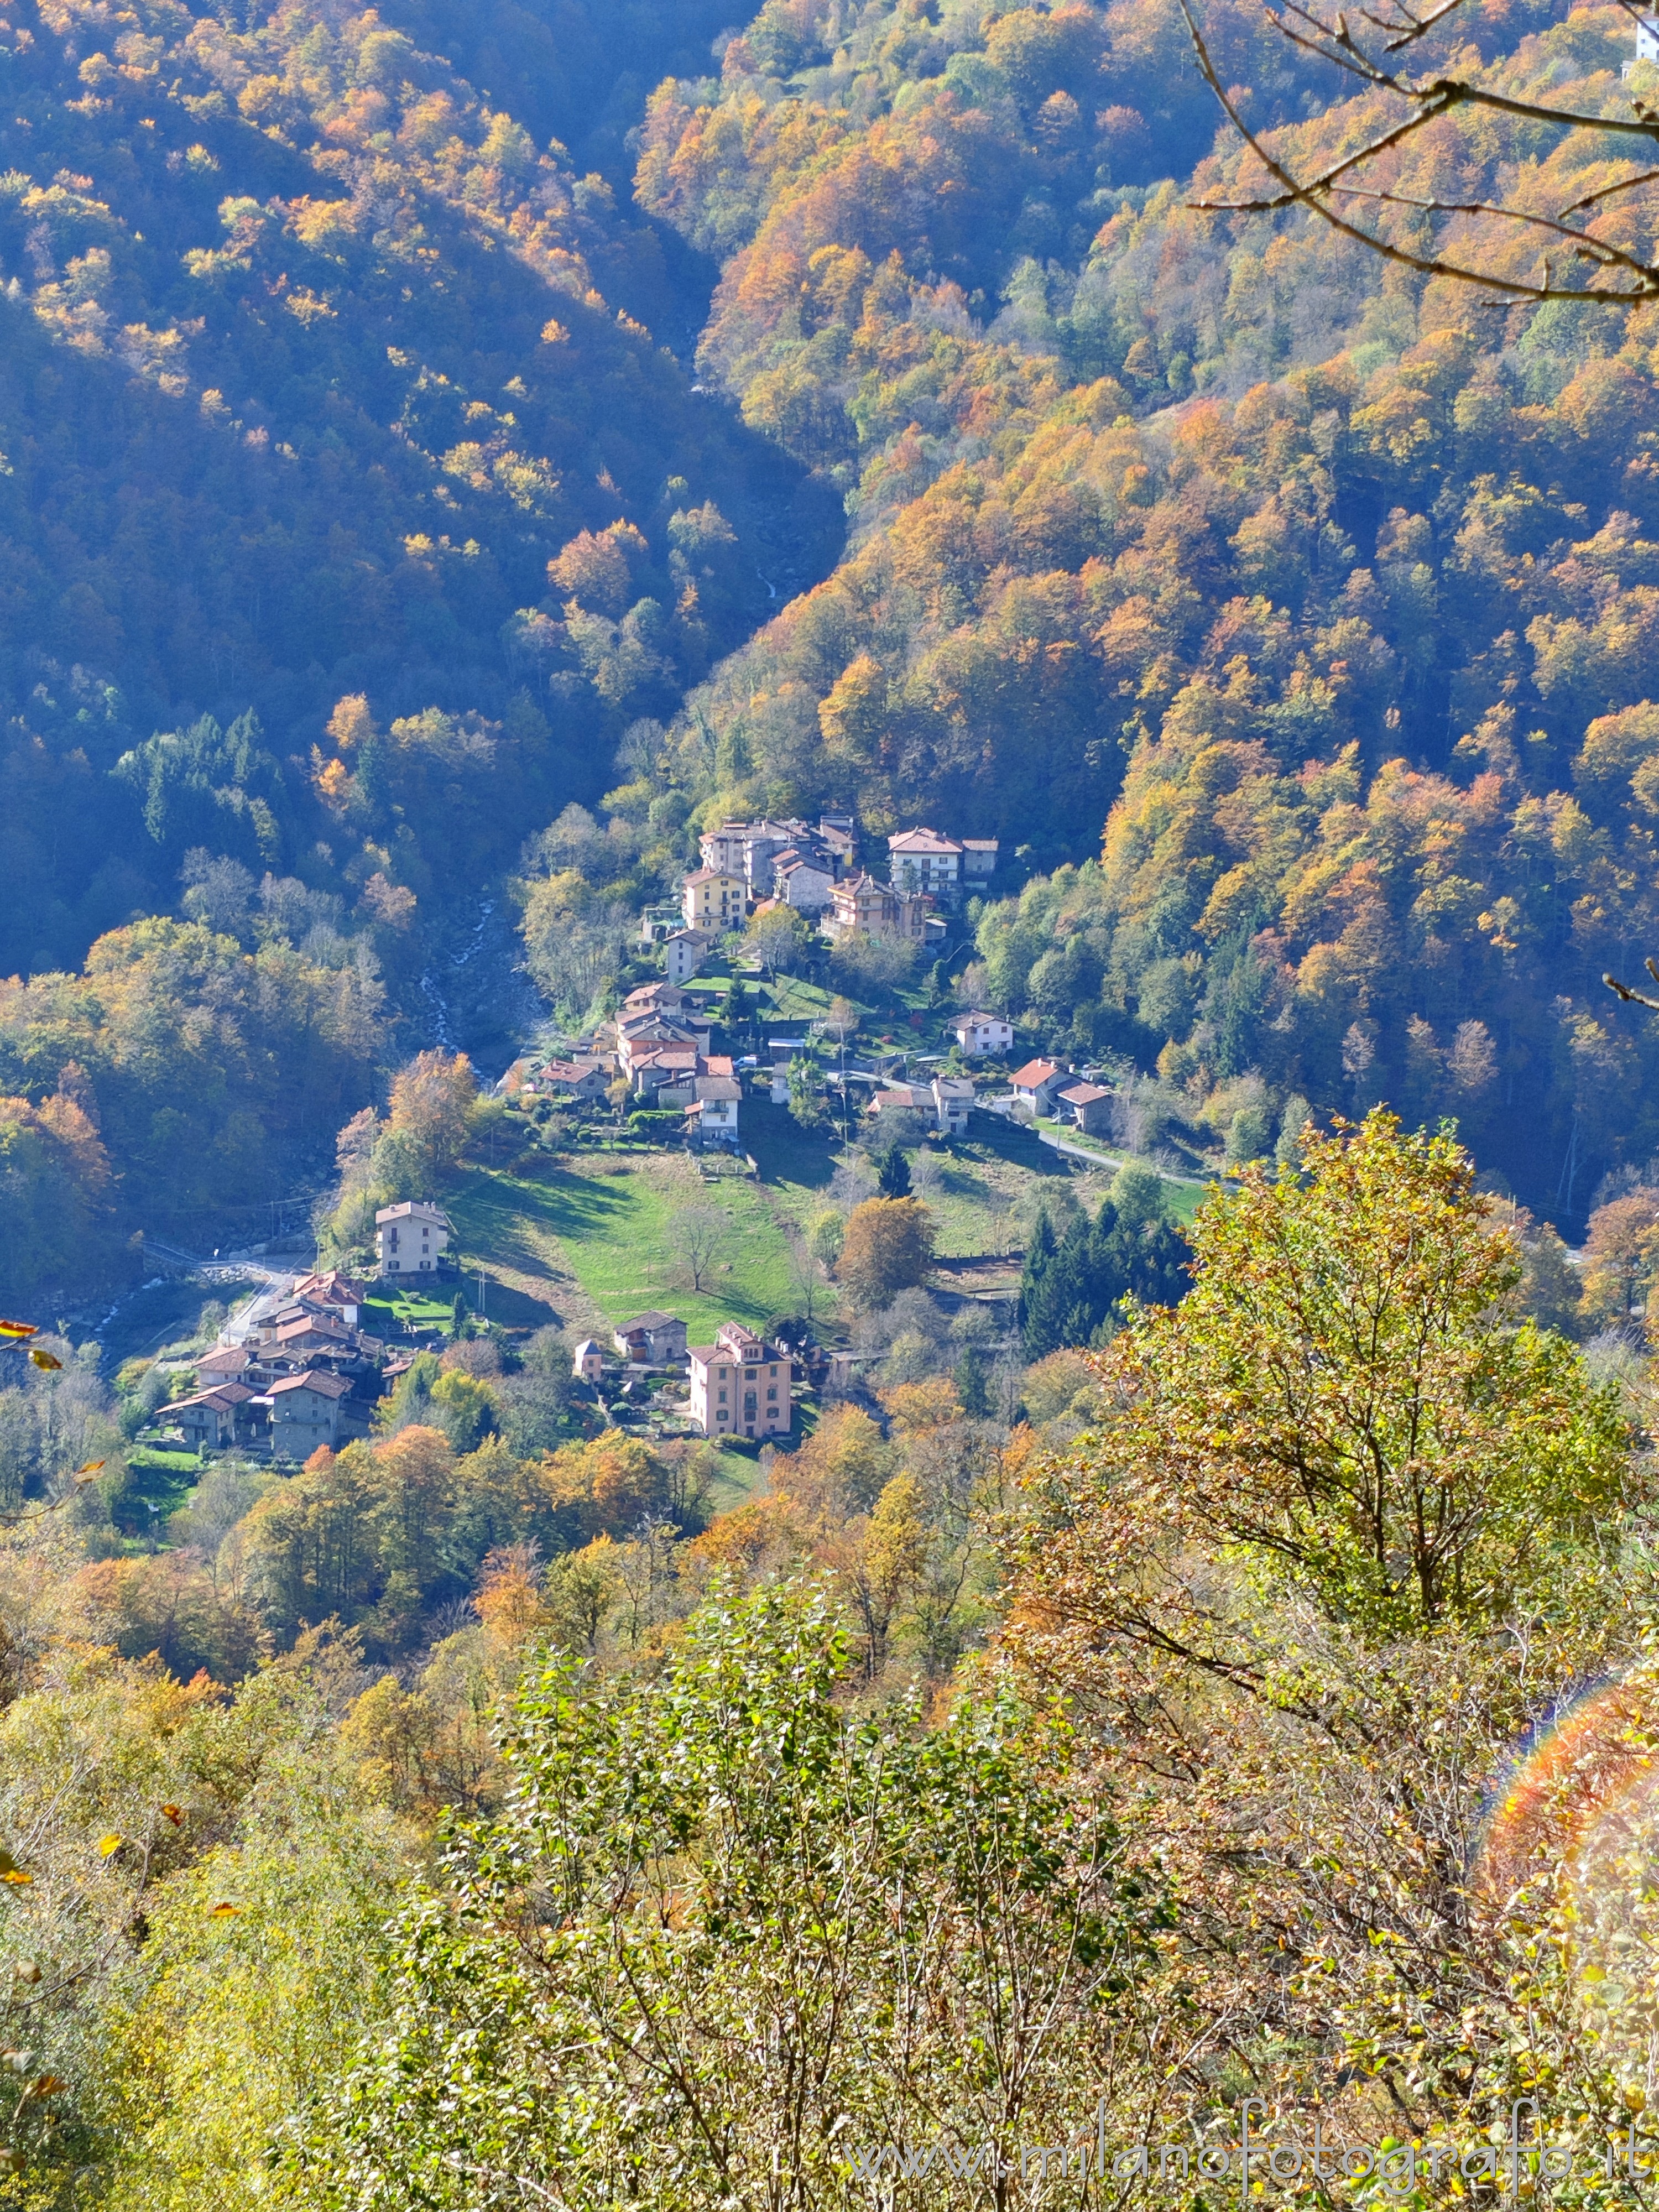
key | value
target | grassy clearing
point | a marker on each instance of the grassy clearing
(586, 1240)
(391, 1312)
(597, 1241)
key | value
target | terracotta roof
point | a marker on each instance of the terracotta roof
(921, 841)
(323, 1324)
(1034, 1072)
(229, 1360)
(1085, 1094)
(712, 875)
(316, 1379)
(224, 1398)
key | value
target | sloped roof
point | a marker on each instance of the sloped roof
(921, 841)
(1034, 1072)
(1085, 1094)
(315, 1379)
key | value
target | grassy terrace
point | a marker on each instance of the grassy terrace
(585, 1239)
(1185, 1193)
(589, 1241)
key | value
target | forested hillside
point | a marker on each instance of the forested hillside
(1329, 586)
(314, 360)
(360, 514)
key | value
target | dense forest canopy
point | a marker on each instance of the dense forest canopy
(314, 360)
(364, 509)
(451, 455)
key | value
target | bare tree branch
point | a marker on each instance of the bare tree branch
(1426, 102)
(1634, 998)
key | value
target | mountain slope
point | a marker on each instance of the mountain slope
(1326, 591)
(313, 364)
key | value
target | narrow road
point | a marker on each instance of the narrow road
(1106, 1159)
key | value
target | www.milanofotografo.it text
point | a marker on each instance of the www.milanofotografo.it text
(1519, 2154)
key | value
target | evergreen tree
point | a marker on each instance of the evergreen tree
(893, 1174)
(973, 1384)
(1070, 1292)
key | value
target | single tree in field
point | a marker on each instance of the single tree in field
(887, 1247)
(893, 1173)
(806, 1278)
(697, 1237)
(780, 940)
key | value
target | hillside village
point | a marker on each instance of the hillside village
(311, 1364)
(656, 1053)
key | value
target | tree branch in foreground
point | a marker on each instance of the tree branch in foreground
(1611, 272)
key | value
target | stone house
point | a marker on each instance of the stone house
(654, 1338)
(1090, 1105)
(307, 1411)
(861, 902)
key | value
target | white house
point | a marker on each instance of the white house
(922, 861)
(1647, 42)
(740, 1385)
(982, 1033)
(588, 1361)
(1037, 1084)
(714, 1114)
(686, 950)
(410, 1238)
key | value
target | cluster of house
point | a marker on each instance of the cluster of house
(813, 868)
(741, 1384)
(658, 1044)
(1059, 1093)
(307, 1375)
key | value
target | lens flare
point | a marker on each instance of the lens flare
(1571, 1850)
(1576, 1790)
